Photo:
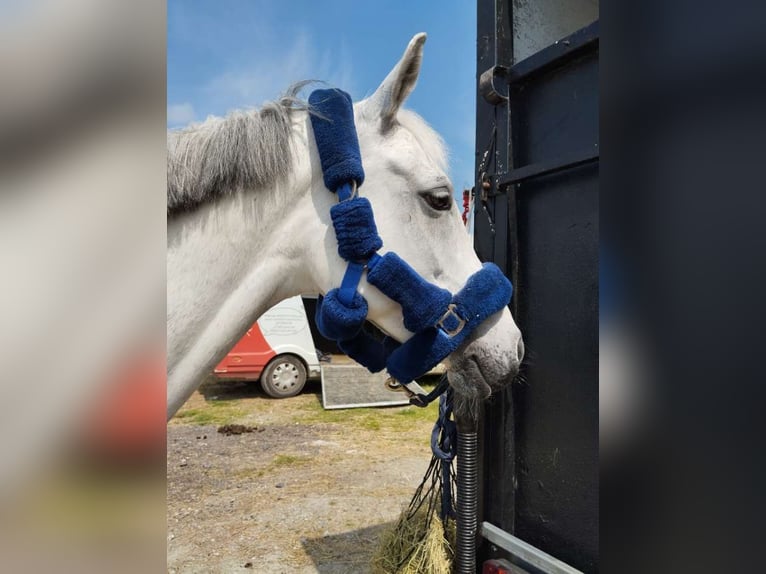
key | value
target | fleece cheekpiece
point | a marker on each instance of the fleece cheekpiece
(422, 302)
(355, 229)
(440, 321)
(332, 118)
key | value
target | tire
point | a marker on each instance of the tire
(284, 376)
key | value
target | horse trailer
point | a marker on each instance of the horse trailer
(536, 216)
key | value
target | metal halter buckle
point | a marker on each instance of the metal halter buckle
(451, 310)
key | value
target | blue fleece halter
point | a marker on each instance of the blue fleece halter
(439, 320)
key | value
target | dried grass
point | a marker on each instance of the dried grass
(416, 544)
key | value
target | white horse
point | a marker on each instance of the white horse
(249, 225)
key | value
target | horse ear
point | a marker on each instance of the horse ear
(390, 95)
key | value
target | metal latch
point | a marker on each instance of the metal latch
(489, 89)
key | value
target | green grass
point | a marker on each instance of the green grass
(307, 409)
(278, 462)
(370, 423)
(399, 419)
(215, 413)
(289, 460)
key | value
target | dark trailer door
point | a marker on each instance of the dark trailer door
(537, 174)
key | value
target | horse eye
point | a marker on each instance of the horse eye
(438, 201)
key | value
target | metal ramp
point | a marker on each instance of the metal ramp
(346, 384)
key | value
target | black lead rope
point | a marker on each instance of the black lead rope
(444, 447)
(423, 401)
(434, 498)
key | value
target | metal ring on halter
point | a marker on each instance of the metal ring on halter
(354, 190)
(347, 190)
(393, 385)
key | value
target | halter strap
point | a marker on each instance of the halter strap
(336, 139)
(440, 321)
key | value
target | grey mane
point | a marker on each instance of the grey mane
(248, 149)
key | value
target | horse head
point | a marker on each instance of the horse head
(417, 217)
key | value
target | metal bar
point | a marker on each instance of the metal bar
(548, 167)
(515, 251)
(525, 552)
(403, 403)
(555, 54)
(494, 51)
(467, 503)
(503, 57)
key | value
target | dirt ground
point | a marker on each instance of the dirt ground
(307, 490)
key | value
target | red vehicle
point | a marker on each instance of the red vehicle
(278, 350)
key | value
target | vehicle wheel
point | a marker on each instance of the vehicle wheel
(284, 376)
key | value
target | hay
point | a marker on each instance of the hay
(417, 544)
(423, 539)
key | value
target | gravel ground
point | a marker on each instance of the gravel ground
(305, 490)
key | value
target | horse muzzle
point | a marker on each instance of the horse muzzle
(484, 360)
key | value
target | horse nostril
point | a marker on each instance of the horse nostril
(520, 350)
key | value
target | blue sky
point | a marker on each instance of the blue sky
(240, 53)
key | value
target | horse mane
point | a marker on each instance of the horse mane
(251, 149)
(247, 149)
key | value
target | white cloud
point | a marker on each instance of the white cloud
(180, 114)
(268, 75)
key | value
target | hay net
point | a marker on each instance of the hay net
(423, 539)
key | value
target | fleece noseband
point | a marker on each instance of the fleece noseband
(439, 320)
